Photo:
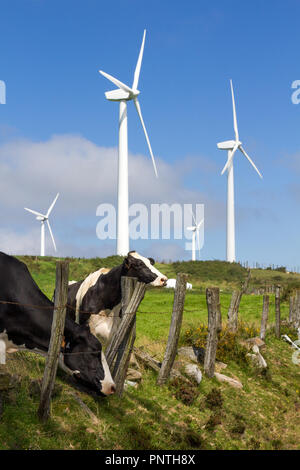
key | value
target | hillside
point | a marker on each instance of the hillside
(263, 415)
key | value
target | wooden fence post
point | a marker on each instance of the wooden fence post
(171, 349)
(292, 308)
(295, 314)
(126, 327)
(214, 327)
(277, 311)
(233, 311)
(123, 354)
(58, 324)
(264, 318)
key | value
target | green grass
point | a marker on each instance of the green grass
(263, 415)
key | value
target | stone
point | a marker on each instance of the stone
(249, 343)
(220, 366)
(257, 358)
(188, 353)
(133, 375)
(224, 378)
(193, 371)
(133, 363)
(128, 384)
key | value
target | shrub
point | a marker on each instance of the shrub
(229, 347)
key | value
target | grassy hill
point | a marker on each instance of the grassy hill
(263, 415)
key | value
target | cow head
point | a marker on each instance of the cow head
(143, 268)
(84, 356)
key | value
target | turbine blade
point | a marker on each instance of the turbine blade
(117, 82)
(51, 235)
(138, 108)
(230, 159)
(235, 126)
(138, 64)
(52, 205)
(193, 217)
(34, 212)
(198, 240)
(247, 156)
(200, 223)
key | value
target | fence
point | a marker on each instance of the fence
(121, 343)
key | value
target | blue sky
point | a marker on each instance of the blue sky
(50, 54)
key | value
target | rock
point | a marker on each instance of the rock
(224, 378)
(249, 343)
(133, 375)
(128, 384)
(133, 363)
(189, 352)
(193, 371)
(200, 354)
(257, 358)
(220, 366)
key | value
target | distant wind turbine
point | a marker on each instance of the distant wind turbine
(231, 146)
(195, 229)
(123, 94)
(44, 218)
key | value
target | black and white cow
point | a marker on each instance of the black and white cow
(26, 320)
(100, 292)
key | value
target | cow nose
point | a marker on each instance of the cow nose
(108, 389)
(163, 281)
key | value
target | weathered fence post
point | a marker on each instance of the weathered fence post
(277, 311)
(58, 324)
(121, 344)
(292, 309)
(214, 327)
(171, 349)
(264, 318)
(233, 311)
(123, 354)
(295, 321)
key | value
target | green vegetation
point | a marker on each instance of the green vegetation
(263, 415)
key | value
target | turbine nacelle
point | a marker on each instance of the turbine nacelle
(41, 218)
(228, 144)
(120, 95)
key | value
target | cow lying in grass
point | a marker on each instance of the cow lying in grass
(25, 323)
(100, 293)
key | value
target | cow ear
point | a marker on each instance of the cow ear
(152, 261)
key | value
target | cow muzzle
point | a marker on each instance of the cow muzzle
(108, 389)
(160, 281)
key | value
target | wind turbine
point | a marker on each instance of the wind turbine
(195, 229)
(123, 94)
(44, 218)
(232, 146)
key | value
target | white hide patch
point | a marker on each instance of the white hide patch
(89, 281)
(107, 384)
(160, 277)
(102, 323)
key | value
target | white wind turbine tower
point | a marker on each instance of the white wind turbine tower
(44, 218)
(231, 146)
(195, 229)
(123, 94)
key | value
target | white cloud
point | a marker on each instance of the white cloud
(85, 175)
